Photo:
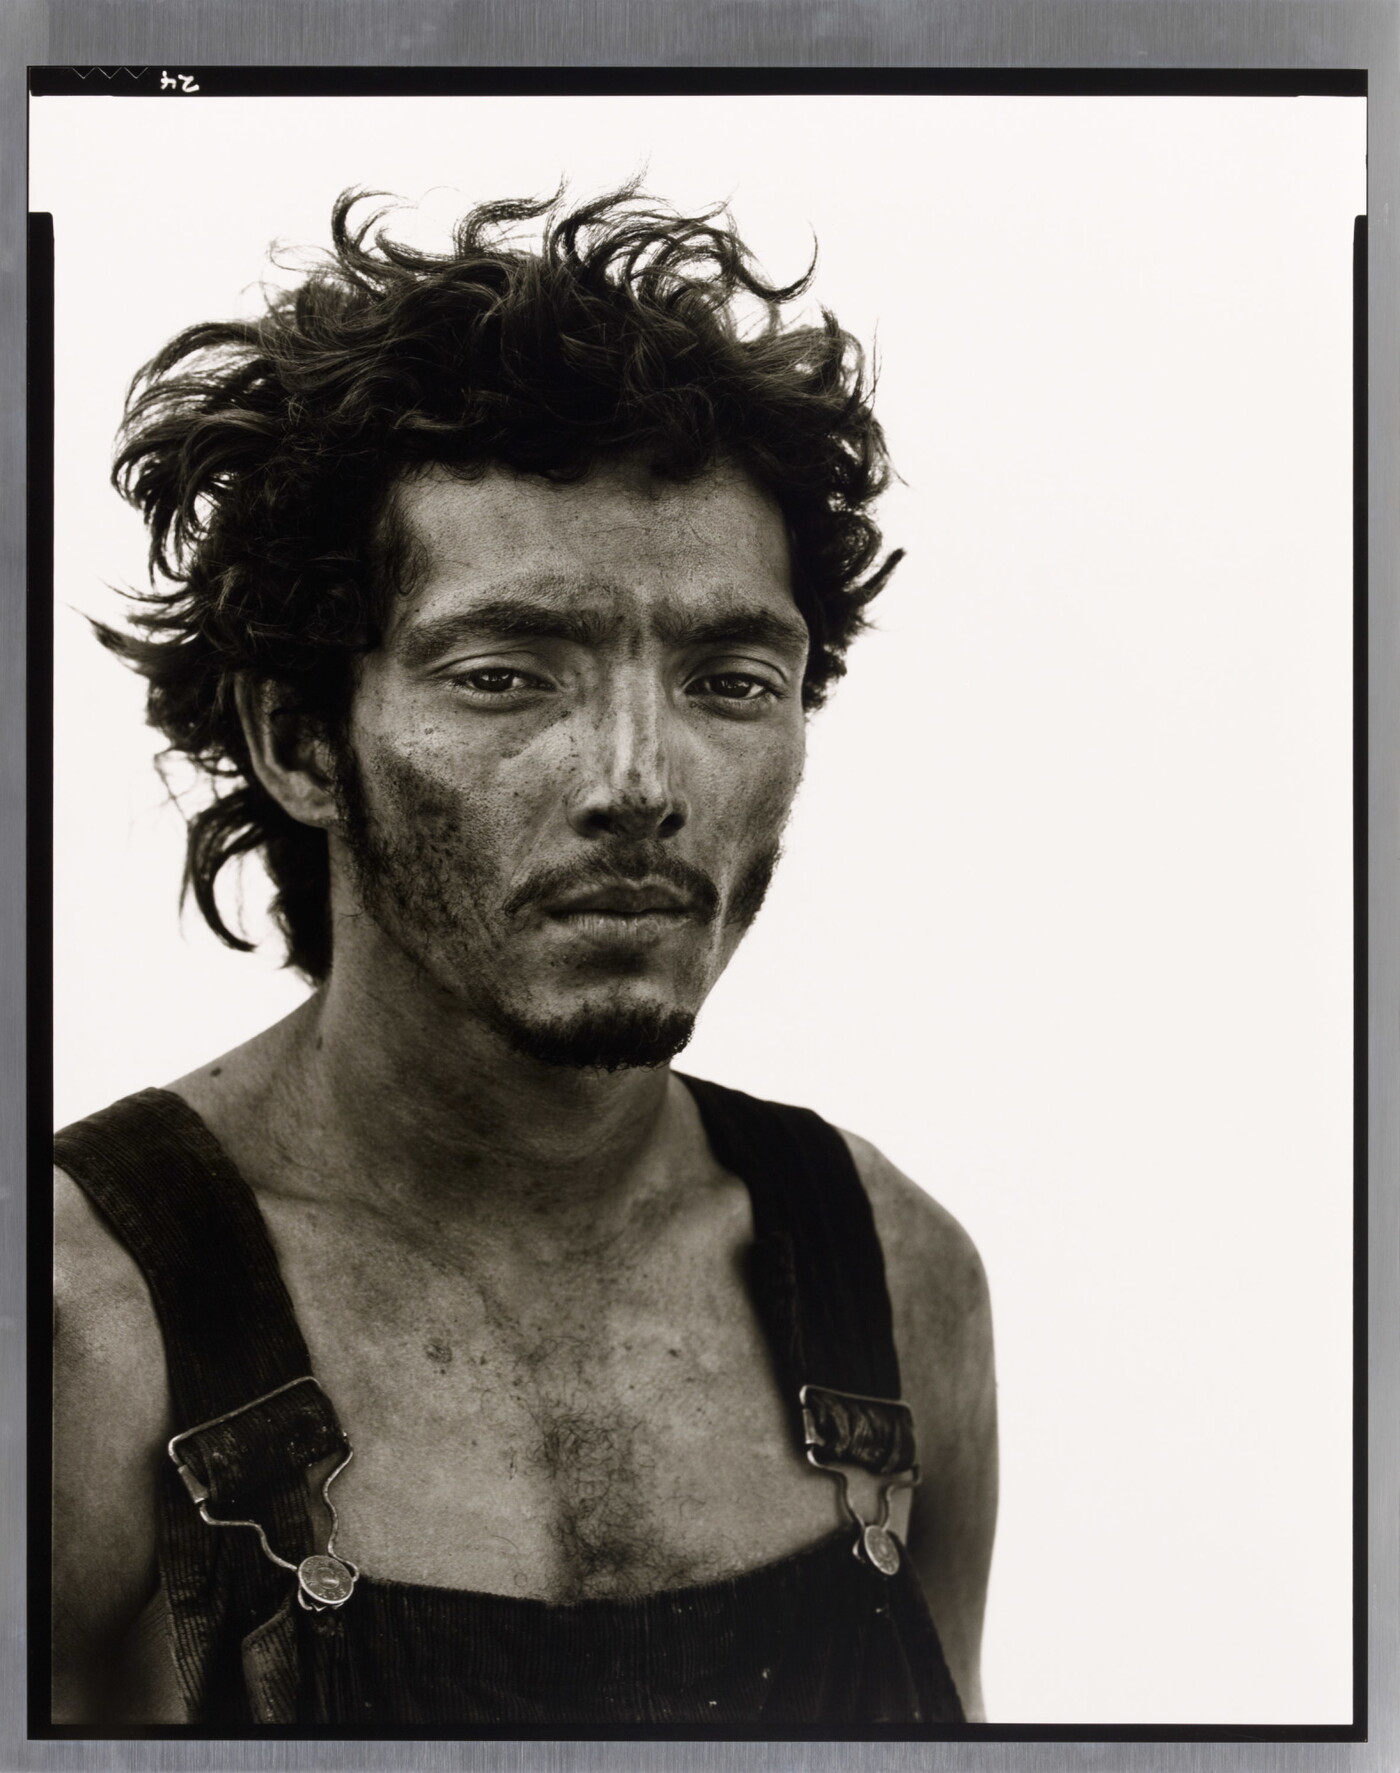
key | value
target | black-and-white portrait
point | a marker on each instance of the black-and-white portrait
(747, 1122)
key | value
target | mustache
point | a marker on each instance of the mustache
(632, 864)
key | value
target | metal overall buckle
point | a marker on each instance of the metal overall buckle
(892, 1418)
(323, 1579)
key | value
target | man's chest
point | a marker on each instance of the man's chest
(560, 1432)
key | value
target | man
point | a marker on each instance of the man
(441, 1357)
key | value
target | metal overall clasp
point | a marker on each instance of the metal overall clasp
(323, 1579)
(845, 1431)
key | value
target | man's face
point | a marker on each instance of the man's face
(571, 761)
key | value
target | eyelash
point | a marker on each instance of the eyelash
(524, 680)
(767, 692)
(518, 681)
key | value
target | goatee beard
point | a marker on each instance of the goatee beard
(613, 1037)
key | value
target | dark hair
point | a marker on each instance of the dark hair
(261, 454)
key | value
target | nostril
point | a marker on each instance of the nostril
(620, 815)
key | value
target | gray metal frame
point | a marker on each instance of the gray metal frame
(975, 33)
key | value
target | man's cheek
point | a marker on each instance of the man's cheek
(440, 840)
(761, 816)
(753, 840)
(435, 800)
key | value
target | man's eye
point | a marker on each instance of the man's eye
(733, 686)
(496, 680)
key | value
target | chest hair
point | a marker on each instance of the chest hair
(589, 1430)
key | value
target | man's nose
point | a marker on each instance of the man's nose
(625, 782)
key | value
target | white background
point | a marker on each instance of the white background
(1065, 924)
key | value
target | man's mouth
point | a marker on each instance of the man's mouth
(625, 900)
(618, 916)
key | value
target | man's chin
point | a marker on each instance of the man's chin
(613, 1037)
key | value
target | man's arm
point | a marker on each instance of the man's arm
(943, 1331)
(110, 1424)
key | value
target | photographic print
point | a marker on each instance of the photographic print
(746, 1127)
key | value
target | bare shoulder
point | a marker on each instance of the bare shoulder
(943, 1332)
(110, 1420)
(938, 1286)
(103, 1315)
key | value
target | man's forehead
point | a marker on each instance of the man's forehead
(616, 542)
(616, 509)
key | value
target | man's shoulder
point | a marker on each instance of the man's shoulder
(105, 1328)
(102, 1306)
(922, 1241)
(937, 1284)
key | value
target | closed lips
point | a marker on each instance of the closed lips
(624, 901)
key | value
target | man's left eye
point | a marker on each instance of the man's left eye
(732, 686)
(495, 680)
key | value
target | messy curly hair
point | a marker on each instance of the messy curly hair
(262, 454)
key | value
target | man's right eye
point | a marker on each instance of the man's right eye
(497, 680)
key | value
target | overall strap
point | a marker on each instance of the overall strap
(250, 1419)
(237, 1363)
(818, 1276)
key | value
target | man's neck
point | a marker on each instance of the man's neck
(432, 1116)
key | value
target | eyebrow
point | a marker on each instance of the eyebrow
(524, 618)
(736, 625)
(515, 618)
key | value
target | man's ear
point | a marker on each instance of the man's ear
(290, 753)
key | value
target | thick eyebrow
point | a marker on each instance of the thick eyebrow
(737, 625)
(505, 618)
(522, 618)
